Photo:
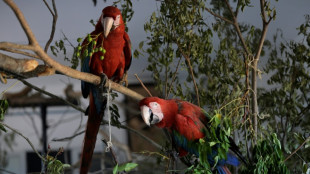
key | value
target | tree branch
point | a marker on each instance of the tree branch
(218, 16)
(34, 46)
(27, 139)
(306, 140)
(17, 65)
(236, 25)
(55, 17)
(254, 65)
(23, 22)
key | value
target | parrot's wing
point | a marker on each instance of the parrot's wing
(127, 51)
(187, 130)
(84, 85)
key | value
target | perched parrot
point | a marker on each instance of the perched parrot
(112, 63)
(186, 122)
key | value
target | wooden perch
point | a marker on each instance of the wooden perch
(17, 65)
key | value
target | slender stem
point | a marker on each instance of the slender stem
(27, 139)
(306, 140)
(218, 16)
(174, 77)
(144, 87)
(55, 17)
(51, 95)
(22, 21)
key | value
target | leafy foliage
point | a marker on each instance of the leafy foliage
(220, 66)
(267, 157)
(287, 103)
(53, 165)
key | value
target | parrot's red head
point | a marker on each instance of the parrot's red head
(157, 111)
(111, 21)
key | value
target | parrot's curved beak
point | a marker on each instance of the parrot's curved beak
(148, 116)
(107, 24)
(145, 113)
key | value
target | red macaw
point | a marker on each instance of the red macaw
(112, 63)
(186, 122)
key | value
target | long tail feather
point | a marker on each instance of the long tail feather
(92, 128)
(223, 170)
(235, 149)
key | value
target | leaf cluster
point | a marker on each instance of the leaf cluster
(287, 102)
(267, 157)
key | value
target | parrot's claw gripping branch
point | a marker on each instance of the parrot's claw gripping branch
(103, 81)
(102, 85)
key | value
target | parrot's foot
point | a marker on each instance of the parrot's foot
(101, 86)
(103, 81)
(124, 79)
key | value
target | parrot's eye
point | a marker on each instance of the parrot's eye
(154, 105)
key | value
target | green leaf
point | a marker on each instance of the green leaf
(212, 143)
(305, 168)
(141, 45)
(4, 105)
(127, 167)
(2, 128)
(115, 169)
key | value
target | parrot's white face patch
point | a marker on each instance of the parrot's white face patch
(156, 109)
(152, 114)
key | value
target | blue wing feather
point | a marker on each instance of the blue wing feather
(88, 87)
(191, 147)
(84, 85)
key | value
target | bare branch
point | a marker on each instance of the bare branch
(121, 126)
(17, 65)
(218, 16)
(51, 95)
(173, 78)
(236, 25)
(27, 139)
(10, 45)
(190, 69)
(22, 21)
(55, 17)
(144, 87)
(306, 140)
(20, 52)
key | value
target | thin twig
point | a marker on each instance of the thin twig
(23, 22)
(19, 52)
(27, 139)
(190, 69)
(173, 78)
(218, 16)
(51, 95)
(121, 126)
(306, 140)
(144, 87)
(68, 138)
(112, 152)
(55, 16)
